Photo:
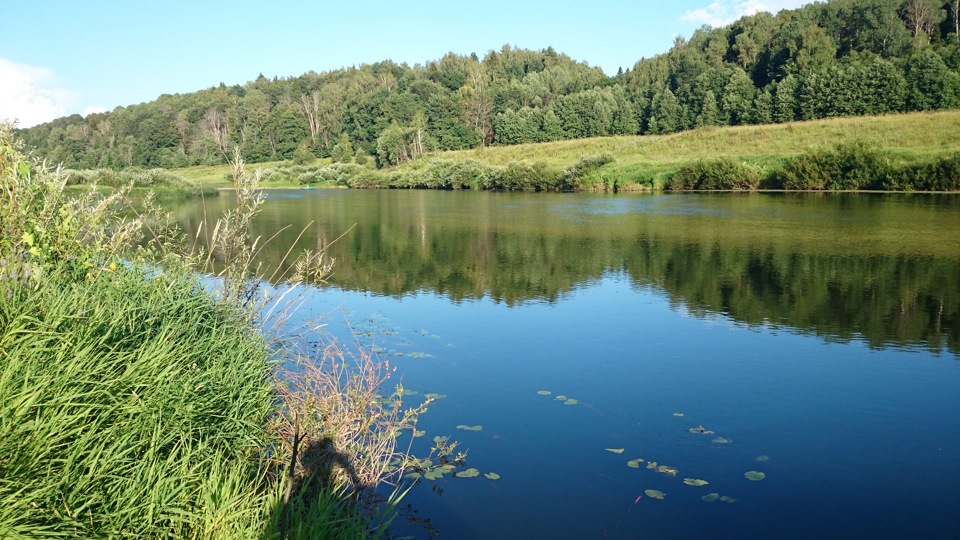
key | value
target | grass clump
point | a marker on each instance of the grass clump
(138, 398)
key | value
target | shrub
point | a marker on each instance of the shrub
(713, 175)
(523, 176)
(850, 166)
(574, 177)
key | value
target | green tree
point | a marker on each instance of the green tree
(785, 100)
(737, 102)
(709, 114)
(930, 83)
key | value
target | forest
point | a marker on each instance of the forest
(839, 58)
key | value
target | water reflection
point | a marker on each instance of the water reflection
(883, 268)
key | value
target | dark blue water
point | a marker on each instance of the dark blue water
(817, 334)
(860, 442)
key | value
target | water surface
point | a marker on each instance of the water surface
(819, 333)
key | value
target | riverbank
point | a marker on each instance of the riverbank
(137, 400)
(890, 153)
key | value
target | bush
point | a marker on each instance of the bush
(574, 177)
(137, 177)
(523, 176)
(850, 166)
(715, 175)
(940, 175)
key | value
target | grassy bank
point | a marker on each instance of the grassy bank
(904, 143)
(136, 400)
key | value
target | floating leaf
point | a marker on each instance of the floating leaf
(695, 482)
(667, 470)
(561, 397)
(710, 497)
(754, 476)
(570, 402)
(655, 494)
(614, 450)
(652, 465)
(721, 440)
(469, 428)
(701, 430)
(419, 433)
(728, 499)
(544, 392)
(469, 473)
(433, 474)
(419, 354)
(492, 476)
(446, 468)
(763, 458)
(678, 414)
(634, 463)
(438, 439)
(412, 476)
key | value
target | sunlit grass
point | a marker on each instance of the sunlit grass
(653, 158)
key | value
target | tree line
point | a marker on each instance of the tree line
(840, 58)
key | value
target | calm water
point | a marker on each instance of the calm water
(819, 334)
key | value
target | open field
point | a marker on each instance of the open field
(905, 137)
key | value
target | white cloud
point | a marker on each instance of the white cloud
(30, 94)
(723, 12)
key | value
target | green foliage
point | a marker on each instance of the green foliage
(133, 176)
(721, 174)
(135, 415)
(136, 399)
(576, 177)
(838, 58)
(849, 166)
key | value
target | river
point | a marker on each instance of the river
(813, 338)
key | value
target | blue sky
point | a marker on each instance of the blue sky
(60, 57)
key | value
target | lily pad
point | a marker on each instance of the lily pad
(721, 440)
(710, 497)
(701, 430)
(469, 473)
(570, 402)
(544, 392)
(412, 476)
(728, 499)
(678, 414)
(614, 450)
(439, 440)
(754, 476)
(667, 470)
(655, 494)
(420, 433)
(433, 474)
(492, 476)
(695, 482)
(561, 397)
(763, 458)
(652, 465)
(634, 463)
(470, 428)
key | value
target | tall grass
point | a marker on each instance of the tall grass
(136, 400)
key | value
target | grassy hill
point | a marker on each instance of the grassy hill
(648, 161)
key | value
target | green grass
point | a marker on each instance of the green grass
(218, 176)
(650, 160)
(135, 406)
